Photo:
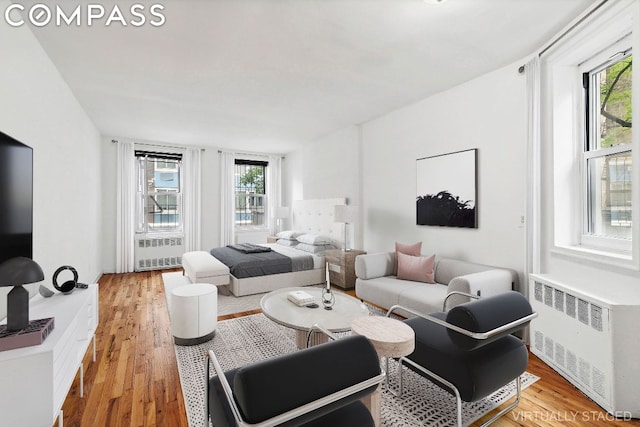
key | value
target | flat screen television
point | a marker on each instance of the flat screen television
(16, 199)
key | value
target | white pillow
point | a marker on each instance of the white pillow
(288, 234)
(286, 242)
(314, 239)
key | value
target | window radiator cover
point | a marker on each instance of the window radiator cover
(582, 337)
(157, 253)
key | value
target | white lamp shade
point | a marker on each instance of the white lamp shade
(344, 214)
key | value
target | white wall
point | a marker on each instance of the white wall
(374, 166)
(327, 168)
(487, 113)
(210, 231)
(38, 108)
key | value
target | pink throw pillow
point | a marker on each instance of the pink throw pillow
(416, 268)
(414, 249)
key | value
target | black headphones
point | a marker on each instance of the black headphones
(68, 286)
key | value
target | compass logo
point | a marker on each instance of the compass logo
(41, 15)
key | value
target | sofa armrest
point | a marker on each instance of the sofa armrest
(370, 266)
(483, 283)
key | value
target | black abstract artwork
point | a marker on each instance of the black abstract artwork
(447, 190)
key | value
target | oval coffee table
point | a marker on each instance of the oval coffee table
(278, 308)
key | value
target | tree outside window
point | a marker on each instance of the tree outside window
(608, 150)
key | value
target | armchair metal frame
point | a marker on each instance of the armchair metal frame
(474, 335)
(296, 412)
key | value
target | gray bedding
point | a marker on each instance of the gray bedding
(242, 265)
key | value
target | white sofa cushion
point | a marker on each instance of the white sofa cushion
(426, 298)
(386, 289)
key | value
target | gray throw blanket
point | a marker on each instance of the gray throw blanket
(250, 248)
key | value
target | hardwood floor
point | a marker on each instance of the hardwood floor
(135, 382)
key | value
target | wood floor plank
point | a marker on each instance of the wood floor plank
(134, 381)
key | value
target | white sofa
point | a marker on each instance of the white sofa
(376, 284)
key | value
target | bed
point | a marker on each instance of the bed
(314, 217)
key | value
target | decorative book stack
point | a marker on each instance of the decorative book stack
(34, 334)
(300, 298)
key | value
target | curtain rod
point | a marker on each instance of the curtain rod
(114, 141)
(572, 27)
(567, 31)
(250, 154)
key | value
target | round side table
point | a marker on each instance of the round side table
(390, 338)
(194, 313)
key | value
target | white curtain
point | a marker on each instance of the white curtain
(533, 218)
(274, 190)
(125, 206)
(227, 199)
(192, 194)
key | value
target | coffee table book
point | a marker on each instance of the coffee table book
(300, 298)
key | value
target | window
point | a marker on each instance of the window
(250, 195)
(586, 121)
(159, 195)
(607, 164)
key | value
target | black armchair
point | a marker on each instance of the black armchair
(317, 386)
(469, 351)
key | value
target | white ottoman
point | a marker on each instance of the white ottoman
(194, 313)
(202, 267)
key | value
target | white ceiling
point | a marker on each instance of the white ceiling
(272, 75)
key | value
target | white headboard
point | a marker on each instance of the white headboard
(316, 217)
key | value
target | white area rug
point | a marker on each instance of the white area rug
(244, 340)
(227, 304)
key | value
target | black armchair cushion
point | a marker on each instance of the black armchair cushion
(219, 409)
(271, 387)
(486, 314)
(350, 415)
(476, 373)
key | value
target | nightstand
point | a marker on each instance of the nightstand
(272, 239)
(342, 267)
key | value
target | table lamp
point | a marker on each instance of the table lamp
(17, 272)
(347, 215)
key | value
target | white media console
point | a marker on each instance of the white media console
(34, 381)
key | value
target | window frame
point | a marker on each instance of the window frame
(143, 194)
(604, 58)
(562, 115)
(264, 196)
